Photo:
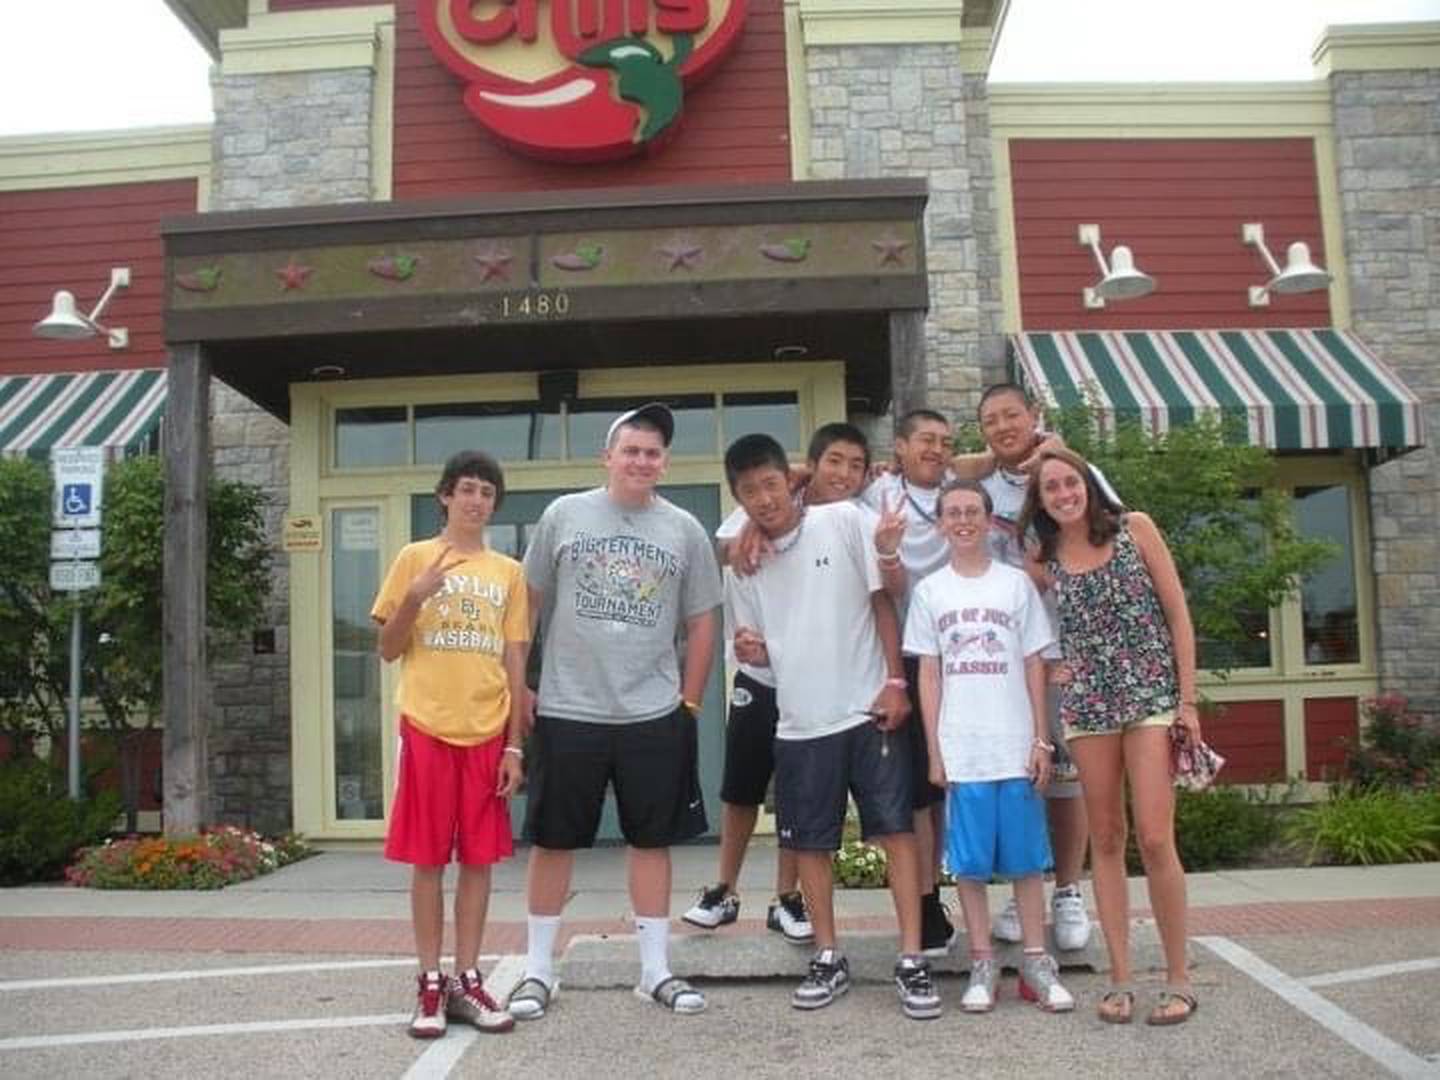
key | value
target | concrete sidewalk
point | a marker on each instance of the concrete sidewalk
(353, 902)
(351, 884)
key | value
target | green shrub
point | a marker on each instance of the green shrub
(40, 827)
(1364, 826)
(1221, 826)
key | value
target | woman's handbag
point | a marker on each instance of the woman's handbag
(1194, 765)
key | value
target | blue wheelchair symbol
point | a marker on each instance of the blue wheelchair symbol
(75, 499)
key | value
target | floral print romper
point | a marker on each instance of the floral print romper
(1116, 643)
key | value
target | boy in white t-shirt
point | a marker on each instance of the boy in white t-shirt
(816, 613)
(980, 629)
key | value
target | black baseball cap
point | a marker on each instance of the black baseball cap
(654, 412)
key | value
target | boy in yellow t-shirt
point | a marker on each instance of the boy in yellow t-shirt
(456, 614)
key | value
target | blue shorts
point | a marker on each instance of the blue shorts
(996, 828)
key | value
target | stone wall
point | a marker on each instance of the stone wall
(1387, 128)
(908, 110)
(287, 139)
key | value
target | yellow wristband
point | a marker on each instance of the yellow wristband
(693, 706)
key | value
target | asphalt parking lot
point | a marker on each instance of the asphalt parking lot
(1336, 1003)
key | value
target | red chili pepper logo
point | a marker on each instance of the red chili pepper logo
(581, 80)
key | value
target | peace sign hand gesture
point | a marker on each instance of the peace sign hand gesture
(891, 529)
(428, 582)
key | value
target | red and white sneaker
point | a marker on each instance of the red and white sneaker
(467, 1003)
(428, 1020)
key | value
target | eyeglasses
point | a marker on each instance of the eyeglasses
(964, 513)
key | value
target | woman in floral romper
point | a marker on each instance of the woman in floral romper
(1129, 651)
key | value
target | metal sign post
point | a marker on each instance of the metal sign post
(79, 473)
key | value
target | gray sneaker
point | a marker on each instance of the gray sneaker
(1040, 983)
(467, 1002)
(918, 997)
(980, 994)
(827, 979)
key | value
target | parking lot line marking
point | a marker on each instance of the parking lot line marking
(82, 1038)
(442, 1055)
(1379, 1048)
(1377, 971)
(72, 981)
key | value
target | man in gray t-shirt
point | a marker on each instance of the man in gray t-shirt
(618, 575)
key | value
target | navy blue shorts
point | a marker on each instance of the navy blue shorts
(815, 777)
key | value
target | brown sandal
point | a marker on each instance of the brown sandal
(1117, 1006)
(1161, 1016)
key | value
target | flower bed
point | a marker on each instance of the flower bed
(209, 860)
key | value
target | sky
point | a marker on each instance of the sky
(89, 65)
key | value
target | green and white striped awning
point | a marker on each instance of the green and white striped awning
(1293, 389)
(116, 409)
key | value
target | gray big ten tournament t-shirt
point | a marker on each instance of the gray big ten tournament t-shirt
(618, 586)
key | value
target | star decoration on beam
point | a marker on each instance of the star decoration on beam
(495, 263)
(682, 254)
(294, 276)
(891, 249)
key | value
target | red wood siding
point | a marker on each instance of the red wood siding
(1178, 204)
(1329, 724)
(69, 238)
(736, 125)
(1250, 736)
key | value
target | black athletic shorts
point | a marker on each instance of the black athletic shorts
(813, 778)
(749, 742)
(653, 764)
(926, 793)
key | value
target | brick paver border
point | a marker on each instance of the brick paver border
(391, 937)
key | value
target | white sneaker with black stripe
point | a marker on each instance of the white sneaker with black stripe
(716, 907)
(787, 916)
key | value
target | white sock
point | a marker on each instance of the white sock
(540, 948)
(654, 937)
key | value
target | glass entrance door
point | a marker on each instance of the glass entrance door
(509, 532)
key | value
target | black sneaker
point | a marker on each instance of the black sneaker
(716, 907)
(936, 932)
(788, 916)
(827, 979)
(918, 996)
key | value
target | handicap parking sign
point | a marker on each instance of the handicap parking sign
(75, 499)
(79, 472)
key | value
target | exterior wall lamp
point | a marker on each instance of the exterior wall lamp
(1119, 279)
(1300, 274)
(66, 323)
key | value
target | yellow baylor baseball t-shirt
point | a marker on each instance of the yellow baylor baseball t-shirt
(452, 675)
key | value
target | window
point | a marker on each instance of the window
(365, 438)
(1322, 624)
(380, 436)
(1328, 602)
(508, 431)
(775, 414)
(695, 423)
(354, 580)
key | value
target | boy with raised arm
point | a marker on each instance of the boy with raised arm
(455, 614)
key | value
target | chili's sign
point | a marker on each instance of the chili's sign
(581, 80)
